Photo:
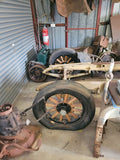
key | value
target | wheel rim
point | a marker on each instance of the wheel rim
(64, 108)
(36, 74)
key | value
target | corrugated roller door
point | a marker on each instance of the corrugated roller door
(16, 41)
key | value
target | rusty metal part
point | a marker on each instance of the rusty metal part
(98, 140)
(35, 73)
(115, 26)
(15, 137)
(115, 1)
(99, 66)
(27, 139)
(107, 113)
(9, 120)
(5, 109)
(66, 7)
(101, 41)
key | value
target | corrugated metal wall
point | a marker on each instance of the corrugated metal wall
(105, 16)
(81, 20)
(56, 34)
(116, 9)
(76, 20)
(16, 45)
(76, 38)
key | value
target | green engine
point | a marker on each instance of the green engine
(43, 56)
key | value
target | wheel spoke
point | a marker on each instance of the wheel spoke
(66, 58)
(77, 110)
(96, 59)
(52, 110)
(58, 96)
(76, 105)
(72, 100)
(68, 118)
(74, 115)
(59, 71)
(59, 61)
(54, 115)
(50, 105)
(53, 100)
(65, 98)
(61, 117)
(62, 59)
(69, 60)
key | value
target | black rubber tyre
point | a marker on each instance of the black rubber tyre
(67, 114)
(68, 52)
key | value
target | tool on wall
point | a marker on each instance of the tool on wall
(52, 9)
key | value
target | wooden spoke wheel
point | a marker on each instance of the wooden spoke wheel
(35, 73)
(63, 56)
(64, 108)
(64, 105)
(64, 59)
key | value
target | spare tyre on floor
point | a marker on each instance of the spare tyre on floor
(64, 105)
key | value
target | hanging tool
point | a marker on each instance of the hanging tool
(52, 9)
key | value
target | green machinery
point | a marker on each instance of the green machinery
(45, 58)
(35, 68)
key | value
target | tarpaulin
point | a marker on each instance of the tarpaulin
(116, 1)
(66, 7)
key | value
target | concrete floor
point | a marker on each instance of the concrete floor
(72, 145)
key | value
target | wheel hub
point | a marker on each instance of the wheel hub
(37, 73)
(63, 112)
(63, 108)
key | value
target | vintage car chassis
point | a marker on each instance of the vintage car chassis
(67, 69)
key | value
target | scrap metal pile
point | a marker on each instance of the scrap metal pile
(94, 58)
(15, 136)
